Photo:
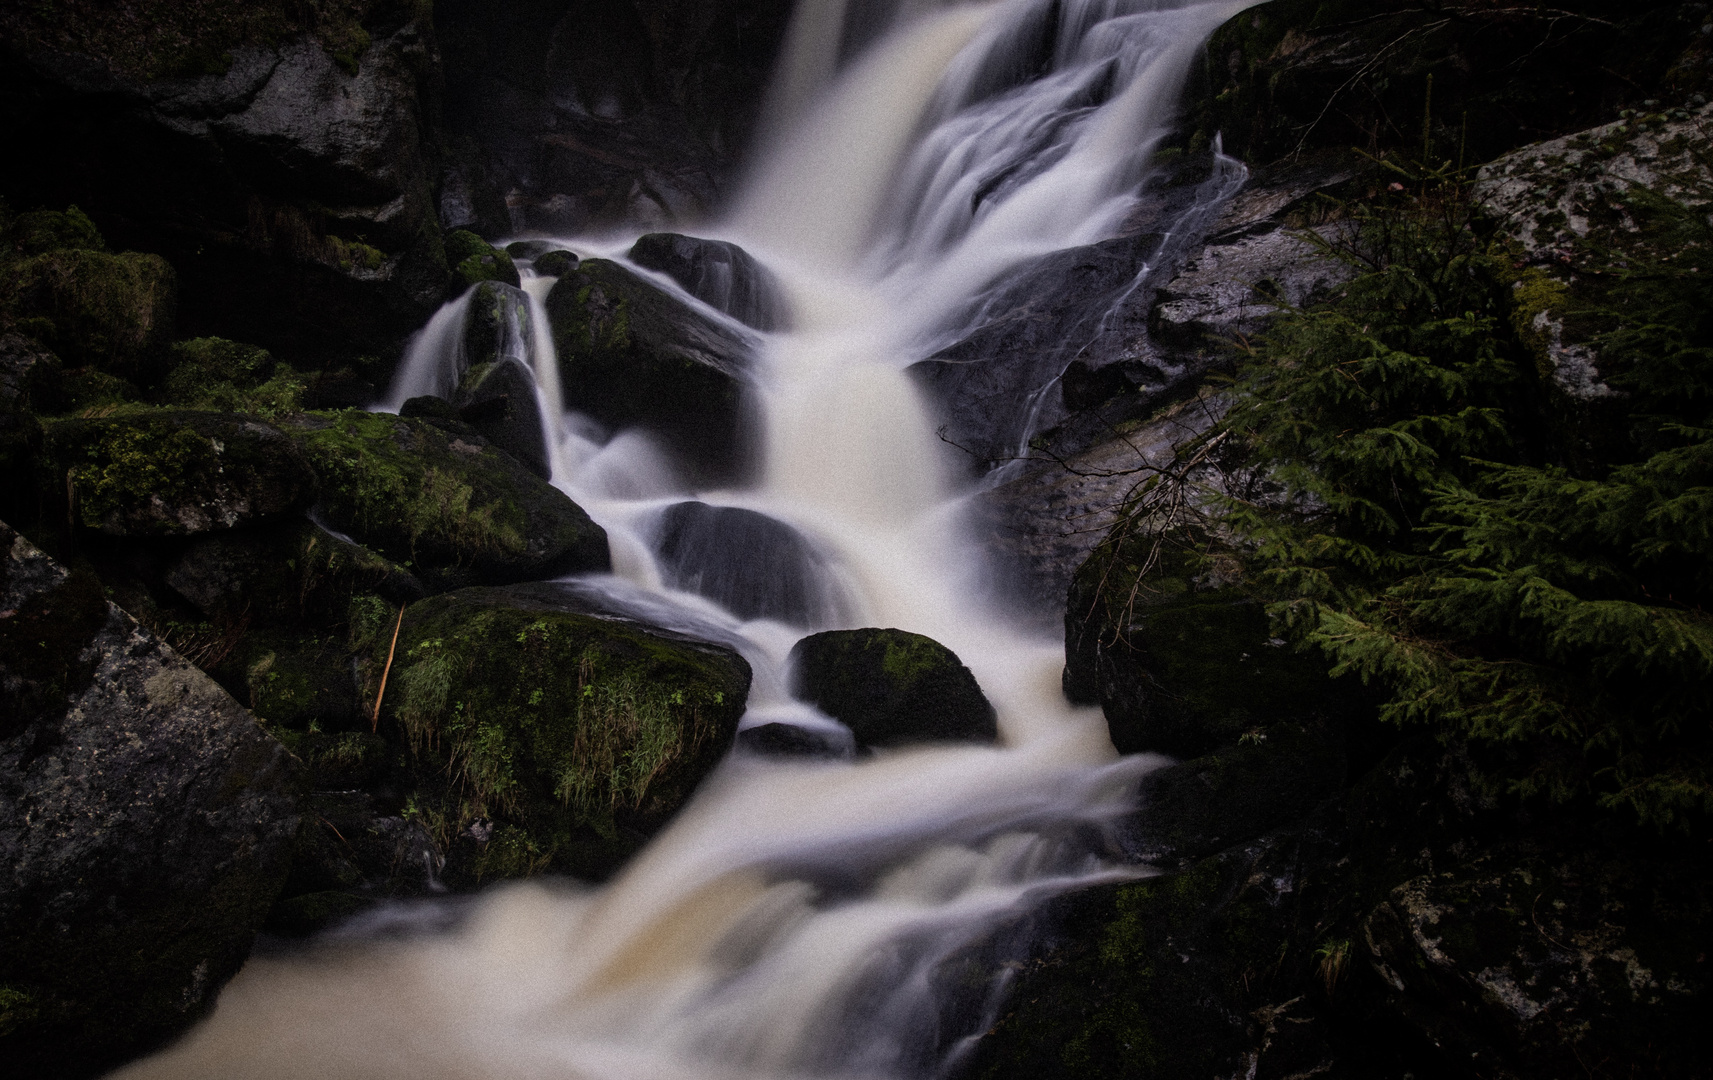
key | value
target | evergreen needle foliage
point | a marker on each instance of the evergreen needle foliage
(1431, 536)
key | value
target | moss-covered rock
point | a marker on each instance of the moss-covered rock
(145, 826)
(561, 738)
(43, 231)
(177, 473)
(295, 574)
(115, 312)
(474, 260)
(891, 687)
(1186, 660)
(632, 356)
(228, 376)
(556, 263)
(496, 395)
(436, 498)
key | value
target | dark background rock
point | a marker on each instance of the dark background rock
(718, 273)
(145, 823)
(891, 687)
(632, 356)
(790, 741)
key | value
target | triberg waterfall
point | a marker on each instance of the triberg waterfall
(800, 918)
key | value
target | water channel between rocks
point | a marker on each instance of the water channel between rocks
(813, 918)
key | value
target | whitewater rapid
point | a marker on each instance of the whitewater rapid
(800, 919)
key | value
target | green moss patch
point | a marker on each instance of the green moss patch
(575, 734)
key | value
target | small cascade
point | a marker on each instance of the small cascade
(800, 918)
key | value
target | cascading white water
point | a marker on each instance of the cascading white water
(803, 920)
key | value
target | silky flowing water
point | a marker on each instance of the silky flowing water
(800, 919)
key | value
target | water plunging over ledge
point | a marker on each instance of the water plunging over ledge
(800, 919)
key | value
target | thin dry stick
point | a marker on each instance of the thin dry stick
(375, 721)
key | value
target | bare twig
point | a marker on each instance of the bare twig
(375, 721)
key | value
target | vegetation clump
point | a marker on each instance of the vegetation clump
(474, 260)
(226, 376)
(564, 736)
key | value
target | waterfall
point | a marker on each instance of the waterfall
(823, 919)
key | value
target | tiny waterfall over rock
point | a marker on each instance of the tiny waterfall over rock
(801, 918)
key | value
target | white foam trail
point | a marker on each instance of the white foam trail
(796, 919)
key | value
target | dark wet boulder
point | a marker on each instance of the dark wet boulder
(891, 687)
(177, 473)
(754, 566)
(632, 356)
(496, 394)
(474, 260)
(284, 574)
(555, 737)
(351, 854)
(790, 741)
(1189, 660)
(528, 249)
(146, 823)
(718, 273)
(1269, 778)
(433, 495)
(555, 263)
(1532, 963)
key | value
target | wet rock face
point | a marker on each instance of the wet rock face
(496, 394)
(750, 564)
(29, 375)
(587, 112)
(791, 741)
(632, 356)
(1537, 962)
(146, 823)
(433, 494)
(551, 736)
(178, 473)
(891, 688)
(285, 175)
(720, 274)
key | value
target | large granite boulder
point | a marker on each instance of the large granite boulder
(146, 823)
(718, 273)
(891, 688)
(632, 356)
(176, 472)
(434, 496)
(277, 156)
(549, 734)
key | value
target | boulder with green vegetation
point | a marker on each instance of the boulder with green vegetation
(228, 376)
(891, 687)
(112, 312)
(548, 736)
(630, 355)
(474, 260)
(555, 263)
(175, 473)
(433, 496)
(146, 824)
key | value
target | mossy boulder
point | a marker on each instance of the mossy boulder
(551, 737)
(114, 312)
(229, 376)
(891, 687)
(290, 574)
(436, 498)
(555, 263)
(42, 231)
(177, 473)
(474, 260)
(1185, 660)
(630, 355)
(146, 822)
